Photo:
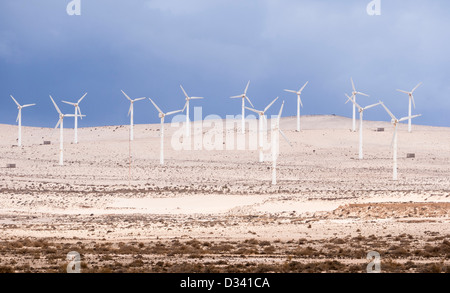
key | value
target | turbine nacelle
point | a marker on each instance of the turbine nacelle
(244, 95)
(410, 94)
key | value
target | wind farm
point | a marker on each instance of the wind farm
(311, 185)
(321, 189)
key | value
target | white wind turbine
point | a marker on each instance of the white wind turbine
(361, 113)
(299, 103)
(131, 114)
(354, 93)
(61, 129)
(411, 99)
(244, 97)
(276, 131)
(186, 106)
(19, 119)
(162, 115)
(261, 127)
(395, 122)
(77, 114)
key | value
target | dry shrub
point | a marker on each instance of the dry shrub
(6, 270)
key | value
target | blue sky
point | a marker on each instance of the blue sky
(213, 47)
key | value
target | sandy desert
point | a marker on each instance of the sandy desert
(217, 211)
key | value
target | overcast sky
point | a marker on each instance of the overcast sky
(213, 47)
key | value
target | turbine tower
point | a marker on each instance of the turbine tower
(411, 99)
(261, 126)
(395, 122)
(243, 97)
(299, 103)
(77, 114)
(276, 131)
(131, 114)
(186, 106)
(354, 93)
(162, 115)
(61, 130)
(361, 113)
(19, 119)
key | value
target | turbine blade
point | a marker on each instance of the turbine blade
(73, 104)
(187, 97)
(387, 110)
(285, 137)
(371, 106)
(79, 112)
(59, 122)
(236, 97)
(140, 99)
(403, 91)
(362, 94)
(253, 110)
(197, 98)
(353, 84)
(301, 104)
(353, 101)
(249, 101)
(407, 118)
(126, 95)
(79, 101)
(131, 107)
(290, 91)
(414, 102)
(303, 87)
(56, 106)
(157, 108)
(174, 112)
(246, 88)
(348, 98)
(270, 105)
(29, 105)
(281, 111)
(417, 86)
(18, 105)
(18, 115)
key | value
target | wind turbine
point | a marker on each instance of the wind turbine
(61, 129)
(354, 93)
(276, 131)
(261, 126)
(77, 114)
(395, 122)
(131, 114)
(243, 97)
(162, 115)
(186, 106)
(19, 119)
(361, 113)
(299, 103)
(411, 99)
